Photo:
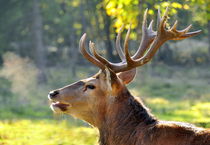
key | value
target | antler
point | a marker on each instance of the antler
(151, 41)
(86, 54)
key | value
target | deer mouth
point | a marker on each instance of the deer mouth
(60, 105)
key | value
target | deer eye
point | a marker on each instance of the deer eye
(90, 87)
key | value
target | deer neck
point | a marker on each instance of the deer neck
(123, 116)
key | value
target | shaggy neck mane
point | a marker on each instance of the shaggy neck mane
(122, 119)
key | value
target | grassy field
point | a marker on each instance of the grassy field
(27, 132)
(181, 94)
(171, 94)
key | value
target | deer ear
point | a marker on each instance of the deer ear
(105, 79)
(127, 76)
(110, 76)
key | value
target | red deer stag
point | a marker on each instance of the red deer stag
(104, 101)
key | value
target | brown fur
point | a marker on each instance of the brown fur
(128, 122)
(121, 118)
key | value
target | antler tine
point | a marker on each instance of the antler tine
(163, 20)
(187, 35)
(158, 18)
(127, 55)
(150, 26)
(186, 29)
(118, 49)
(144, 23)
(86, 54)
(185, 32)
(148, 35)
(97, 56)
(104, 61)
(91, 45)
(118, 46)
(173, 28)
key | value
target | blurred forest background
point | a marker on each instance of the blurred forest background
(39, 52)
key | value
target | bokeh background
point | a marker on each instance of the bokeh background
(39, 52)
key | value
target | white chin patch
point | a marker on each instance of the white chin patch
(55, 109)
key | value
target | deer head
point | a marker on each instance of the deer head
(94, 98)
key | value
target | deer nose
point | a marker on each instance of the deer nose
(53, 94)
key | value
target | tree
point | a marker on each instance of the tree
(37, 32)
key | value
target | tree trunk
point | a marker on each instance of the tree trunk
(165, 55)
(73, 53)
(141, 14)
(108, 42)
(37, 36)
(209, 36)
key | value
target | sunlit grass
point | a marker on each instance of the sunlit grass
(26, 132)
(178, 94)
(183, 96)
(184, 110)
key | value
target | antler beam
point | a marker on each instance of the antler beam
(151, 42)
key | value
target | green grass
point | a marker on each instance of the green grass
(27, 132)
(178, 94)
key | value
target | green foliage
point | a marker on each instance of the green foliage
(201, 11)
(129, 12)
(124, 11)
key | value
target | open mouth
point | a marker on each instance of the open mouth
(62, 106)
